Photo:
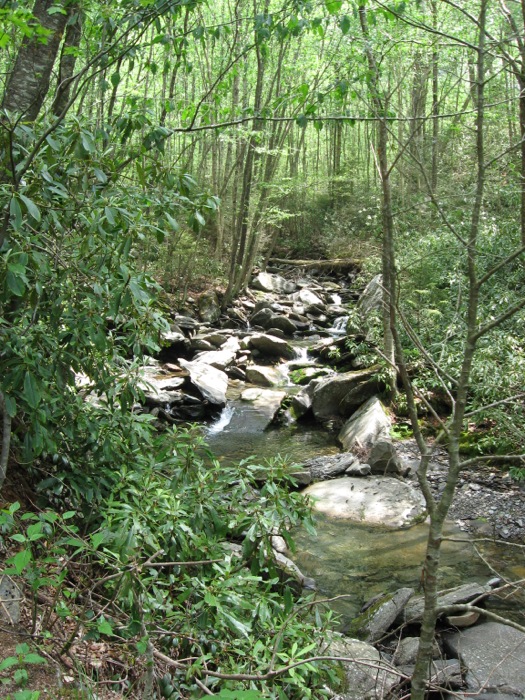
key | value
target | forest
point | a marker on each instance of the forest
(158, 153)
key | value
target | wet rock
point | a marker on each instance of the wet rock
(375, 622)
(359, 394)
(271, 345)
(330, 466)
(374, 501)
(267, 402)
(262, 317)
(383, 459)
(367, 677)
(494, 655)
(267, 282)
(161, 391)
(265, 376)
(308, 298)
(211, 383)
(304, 375)
(330, 393)
(368, 425)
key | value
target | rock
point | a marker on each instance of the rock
(266, 402)
(379, 617)
(359, 394)
(383, 459)
(367, 426)
(308, 298)
(220, 359)
(211, 383)
(10, 598)
(304, 375)
(209, 307)
(374, 501)
(262, 317)
(372, 297)
(443, 672)
(367, 677)
(267, 282)
(328, 467)
(265, 376)
(271, 345)
(160, 391)
(330, 392)
(455, 596)
(494, 655)
(283, 324)
(292, 570)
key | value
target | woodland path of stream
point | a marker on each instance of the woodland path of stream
(275, 376)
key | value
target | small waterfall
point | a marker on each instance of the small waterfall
(339, 327)
(336, 299)
(222, 421)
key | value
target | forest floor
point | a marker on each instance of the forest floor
(487, 502)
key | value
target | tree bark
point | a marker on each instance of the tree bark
(68, 60)
(28, 83)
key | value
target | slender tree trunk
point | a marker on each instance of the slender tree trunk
(68, 59)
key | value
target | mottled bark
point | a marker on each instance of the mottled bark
(28, 83)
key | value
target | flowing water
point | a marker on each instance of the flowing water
(347, 558)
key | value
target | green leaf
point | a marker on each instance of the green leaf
(32, 208)
(69, 514)
(333, 6)
(16, 212)
(115, 79)
(31, 392)
(302, 121)
(8, 663)
(33, 658)
(15, 284)
(110, 215)
(100, 175)
(344, 24)
(21, 560)
(10, 406)
(88, 142)
(104, 627)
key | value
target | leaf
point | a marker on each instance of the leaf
(110, 215)
(10, 406)
(302, 121)
(344, 24)
(16, 212)
(115, 79)
(100, 175)
(333, 6)
(8, 663)
(87, 142)
(15, 284)
(32, 208)
(104, 627)
(32, 658)
(31, 392)
(21, 560)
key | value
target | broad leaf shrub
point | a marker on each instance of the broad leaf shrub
(180, 564)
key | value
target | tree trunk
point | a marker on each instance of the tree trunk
(28, 83)
(67, 60)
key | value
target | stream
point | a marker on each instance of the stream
(345, 557)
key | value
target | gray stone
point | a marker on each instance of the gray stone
(209, 307)
(307, 297)
(494, 655)
(456, 596)
(372, 297)
(267, 282)
(158, 390)
(267, 402)
(374, 501)
(262, 317)
(10, 598)
(211, 383)
(359, 394)
(304, 375)
(443, 673)
(330, 392)
(367, 426)
(220, 359)
(367, 676)
(383, 459)
(271, 345)
(265, 376)
(377, 620)
(283, 324)
(330, 466)
(406, 651)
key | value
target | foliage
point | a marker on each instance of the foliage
(231, 610)
(18, 665)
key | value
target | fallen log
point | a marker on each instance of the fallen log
(334, 264)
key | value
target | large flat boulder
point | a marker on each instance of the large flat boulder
(375, 622)
(374, 501)
(265, 403)
(366, 427)
(220, 359)
(265, 376)
(494, 655)
(455, 596)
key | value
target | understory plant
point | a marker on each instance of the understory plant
(177, 572)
